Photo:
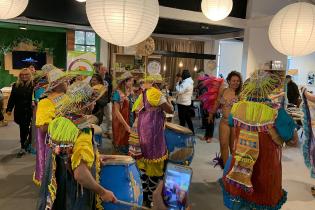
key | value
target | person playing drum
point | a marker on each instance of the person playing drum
(151, 106)
(73, 162)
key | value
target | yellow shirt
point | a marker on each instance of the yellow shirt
(83, 150)
(45, 112)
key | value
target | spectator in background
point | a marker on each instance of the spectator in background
(293, 93)
(97, 66)
(184, 89)
(107, 119)
(98, 111)
(21, 101)
(32, 69)
(3, 122)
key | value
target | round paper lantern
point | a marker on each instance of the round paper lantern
(123, 22)
(292, 29)
(12, 8)
(216, 9)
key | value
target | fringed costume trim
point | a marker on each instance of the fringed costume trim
(239, 202)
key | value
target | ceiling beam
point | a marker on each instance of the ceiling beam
(202, 37)
(198, 17)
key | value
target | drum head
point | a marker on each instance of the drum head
(178, 128)
(119, 160)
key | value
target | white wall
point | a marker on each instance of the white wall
(261, 8)
(304, 64)
(104, 52)
(258, 50)
(210, 47)
(230, 57)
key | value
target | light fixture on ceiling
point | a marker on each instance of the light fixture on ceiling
(216, 9)
(81, 1)
(292, 29)
(12, 8)
(180, 65)
(195, 69)
(123, 22)
(22, 27)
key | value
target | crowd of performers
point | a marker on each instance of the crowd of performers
(252, 131)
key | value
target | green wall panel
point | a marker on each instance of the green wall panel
(50, 39)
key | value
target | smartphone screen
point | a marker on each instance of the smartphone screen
(176, 186)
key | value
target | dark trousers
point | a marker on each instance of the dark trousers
(25, 134)
(184, 115)
(209, 128)
(149, 184)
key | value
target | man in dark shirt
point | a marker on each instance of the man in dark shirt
(293, 93)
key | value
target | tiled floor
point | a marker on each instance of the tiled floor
(18, 192)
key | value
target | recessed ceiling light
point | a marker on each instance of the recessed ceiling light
(22, 27)
(81, 0)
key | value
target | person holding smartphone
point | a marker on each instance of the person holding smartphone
(172, 193)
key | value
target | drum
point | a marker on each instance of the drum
(180, 143)
(121, 175)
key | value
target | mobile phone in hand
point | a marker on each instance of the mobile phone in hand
(176, 186)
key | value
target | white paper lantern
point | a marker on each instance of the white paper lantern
(123, 22)
(292, 29)
(12, 8)
(216, 9)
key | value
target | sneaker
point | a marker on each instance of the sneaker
(21, 153)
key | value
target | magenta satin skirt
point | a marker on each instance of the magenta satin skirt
(41, 151)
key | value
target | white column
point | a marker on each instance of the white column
(210, 47)
(104, 53)
(257, 47)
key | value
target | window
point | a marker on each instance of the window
(84, 41)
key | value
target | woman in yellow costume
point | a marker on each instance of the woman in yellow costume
(151, 105)
(46, 112)
(71, 179)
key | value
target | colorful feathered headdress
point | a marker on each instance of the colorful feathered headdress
(260, 85)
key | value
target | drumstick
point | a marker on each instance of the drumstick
(131, 205)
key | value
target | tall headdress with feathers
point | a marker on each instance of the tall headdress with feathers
(260, 85)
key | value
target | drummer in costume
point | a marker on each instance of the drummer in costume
(40, 85)
(123, 117)
(71, 179)
(46, 112)
(309, 126)
(254, 177)
(151, 106)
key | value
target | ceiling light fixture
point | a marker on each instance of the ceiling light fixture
(216, 9)
(292, 29)
(180, 65)
(22, 28)
(195, 69)
(81, 1)
(123, 22)
(12, 8)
